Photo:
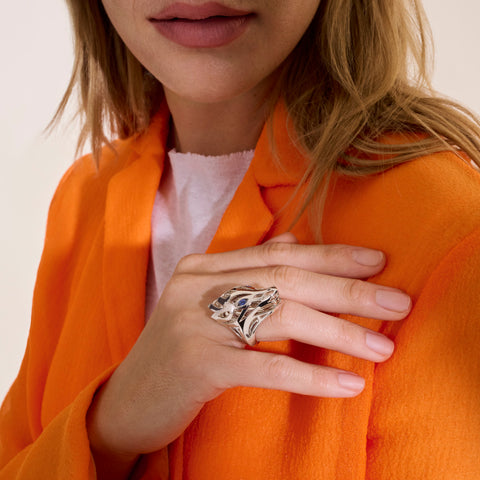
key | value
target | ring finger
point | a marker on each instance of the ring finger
(295, 321)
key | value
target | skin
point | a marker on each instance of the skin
(216, 95)
(183, 358)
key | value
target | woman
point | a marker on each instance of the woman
(348, 150)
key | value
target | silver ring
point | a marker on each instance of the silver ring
(243, 309)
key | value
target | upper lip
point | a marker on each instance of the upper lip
(197, 12)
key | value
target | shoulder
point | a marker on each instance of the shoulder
(425, 388)
(430, 190)
(445, 182)
(80, 197)
(81, 194)
(417, 212)
(88, 181)
(89, 176)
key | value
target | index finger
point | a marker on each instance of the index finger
(336, 259)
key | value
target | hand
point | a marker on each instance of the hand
(183, 358)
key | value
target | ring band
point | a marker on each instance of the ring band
(243, 309)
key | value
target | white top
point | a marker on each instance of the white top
(193, 195)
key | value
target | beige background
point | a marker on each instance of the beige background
(36, 60)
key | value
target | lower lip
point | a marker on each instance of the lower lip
(207, 33)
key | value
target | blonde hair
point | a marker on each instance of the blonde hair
(360, 72)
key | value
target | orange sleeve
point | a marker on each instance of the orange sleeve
(30, 446)
(425, 416)
(60, 451)
(43, 431)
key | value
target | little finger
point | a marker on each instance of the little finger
(280, 372)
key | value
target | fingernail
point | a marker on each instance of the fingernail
(394, 301)
(351, 382)
(366, 257)
(379, 343)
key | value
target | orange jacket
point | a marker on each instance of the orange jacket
(419, 415)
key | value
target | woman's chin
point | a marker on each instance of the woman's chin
(209, 91)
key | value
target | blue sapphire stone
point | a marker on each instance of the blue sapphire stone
(242, 302)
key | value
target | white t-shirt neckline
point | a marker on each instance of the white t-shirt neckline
(193, 195)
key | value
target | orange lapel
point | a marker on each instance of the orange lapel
(130, 198)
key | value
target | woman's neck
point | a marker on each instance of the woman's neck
(217, 128)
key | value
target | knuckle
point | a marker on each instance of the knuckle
(181, 325)
(222, 371)
(189, 263)
(278, 368)
(284, 316)
(276, 251)
(345, 332)
(177, 282)
(285, 275)
(196, 355)
(335, 251)
(354, 291)
(321, 379)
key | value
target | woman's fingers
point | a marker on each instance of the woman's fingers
(339, 260)
(324, 292)
(280, 372)
(298, 322)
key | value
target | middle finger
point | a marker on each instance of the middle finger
(325, 292)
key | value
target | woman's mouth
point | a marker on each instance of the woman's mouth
(208, 25)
